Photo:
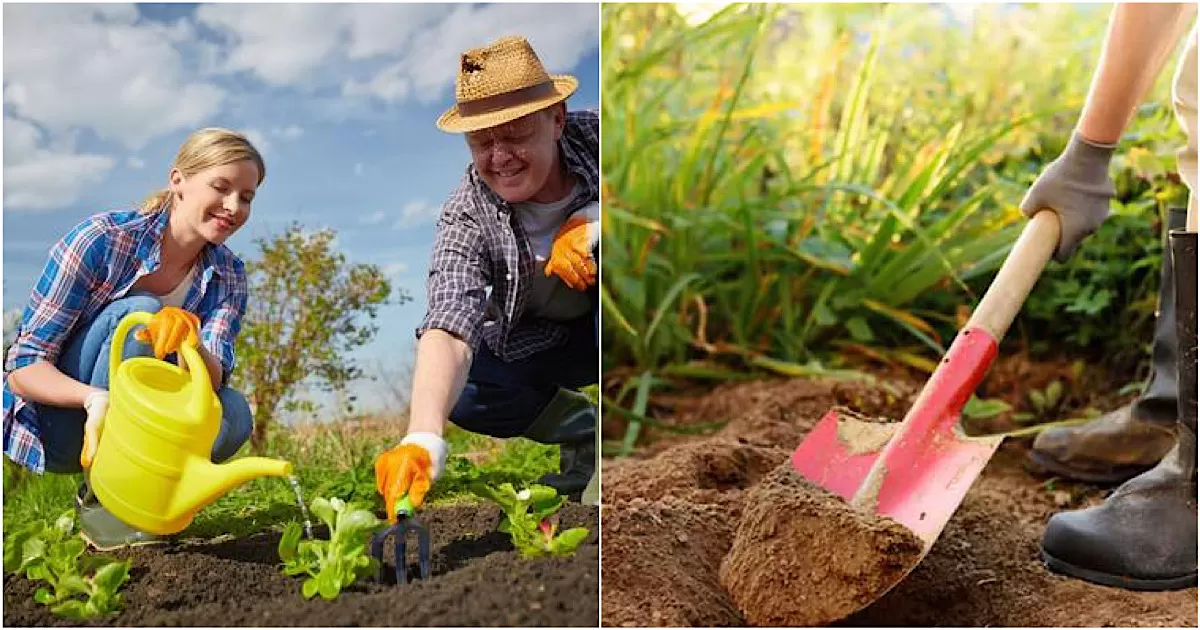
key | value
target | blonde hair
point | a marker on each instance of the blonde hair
(206, 148)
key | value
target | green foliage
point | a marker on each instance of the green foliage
(80, 586)
(304, 319)
(332, 564)
(530, 519)
(850, 193)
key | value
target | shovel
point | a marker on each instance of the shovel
(919, 474)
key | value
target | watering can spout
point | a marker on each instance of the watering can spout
(204, 481)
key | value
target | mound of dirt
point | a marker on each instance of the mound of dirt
(477, 579)
(706, 470)
(663, 556)
(802, 556)
(671, 520)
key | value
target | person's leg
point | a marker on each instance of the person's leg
(85, 358)
(237, 422)
(501, 398)
(1183, 95)
(1143, 536)
(570, 418)
(1129, 441)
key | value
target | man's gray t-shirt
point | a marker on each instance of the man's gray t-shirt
(549, 296)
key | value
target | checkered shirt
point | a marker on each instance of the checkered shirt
(96, 263)
(482, 265)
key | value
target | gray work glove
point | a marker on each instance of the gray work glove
(1077, 187)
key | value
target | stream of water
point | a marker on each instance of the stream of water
(295, 481)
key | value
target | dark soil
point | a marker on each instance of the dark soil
(802, 556)
(477, 579)
(671, 519)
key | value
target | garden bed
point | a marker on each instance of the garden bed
(669, 520)
(478, 579)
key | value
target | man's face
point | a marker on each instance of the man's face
(516, 159)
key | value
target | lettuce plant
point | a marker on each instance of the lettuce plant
(332, 564)
(79, 586)
(530, 519)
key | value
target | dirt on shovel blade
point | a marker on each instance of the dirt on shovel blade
(802, 556)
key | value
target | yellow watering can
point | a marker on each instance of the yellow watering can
(153, 466)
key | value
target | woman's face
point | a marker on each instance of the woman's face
(215, 202)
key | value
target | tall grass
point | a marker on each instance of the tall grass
(786, 186)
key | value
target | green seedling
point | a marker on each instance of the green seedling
(80, 586)
(1045, 403)
(530, 519)
(333, 564)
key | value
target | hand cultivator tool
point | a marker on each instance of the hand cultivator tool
(406, 521)
(919, 475)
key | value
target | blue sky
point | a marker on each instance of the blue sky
(341, 99)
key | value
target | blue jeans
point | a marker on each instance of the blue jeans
(85, 359)
(502, 399)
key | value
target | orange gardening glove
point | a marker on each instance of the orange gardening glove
(168, 329)
(571, 254)
(407, 469)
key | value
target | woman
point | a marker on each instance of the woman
(167, 258)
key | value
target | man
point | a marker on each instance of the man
(511, 330)
(1144, 535)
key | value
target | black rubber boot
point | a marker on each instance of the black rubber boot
(1143, 537)
(569, 421)
(1129, 441)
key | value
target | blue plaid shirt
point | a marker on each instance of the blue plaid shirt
(96, 263)
(482, 265)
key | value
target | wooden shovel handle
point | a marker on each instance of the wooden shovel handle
(1019, 272)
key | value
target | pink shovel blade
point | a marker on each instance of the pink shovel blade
(927, 466)
(830, 462)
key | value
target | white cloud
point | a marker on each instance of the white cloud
(561, 34)
(258, 139)
(135, 162)
(416, 213)
(358, 169)
(310, 46)
(392, 270)
(281, 44)
(290, 132)
(375, 218)
(38, 177)
(96, 66)
(389, 85)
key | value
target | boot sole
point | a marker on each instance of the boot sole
(106, 548)
(1119, 581)
(1118, 476)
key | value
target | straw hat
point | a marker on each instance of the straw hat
(502, 82)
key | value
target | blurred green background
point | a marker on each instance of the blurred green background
(811, 189)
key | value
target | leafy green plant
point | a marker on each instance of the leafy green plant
(531, 521)
(332, 564)
(311, 310)
(79, 586)
(1044, 404)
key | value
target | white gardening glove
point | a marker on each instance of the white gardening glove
(409, 469)
(435, 445)
(96, 406)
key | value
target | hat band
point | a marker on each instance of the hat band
(507, 99)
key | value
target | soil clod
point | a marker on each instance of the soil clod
(801, 556)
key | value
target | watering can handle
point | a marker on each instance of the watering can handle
(201, 386)
(1017, 275)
